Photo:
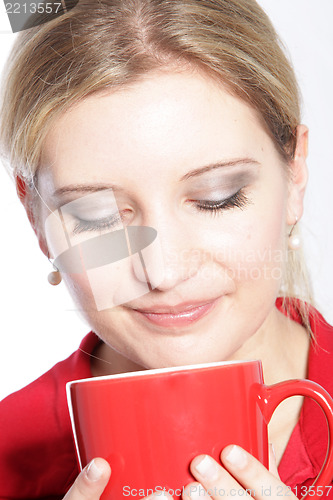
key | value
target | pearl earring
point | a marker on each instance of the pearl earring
(294, 240)
(54, 278)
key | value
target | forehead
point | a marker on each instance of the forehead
(172, 120)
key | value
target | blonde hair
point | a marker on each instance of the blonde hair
(104, 44)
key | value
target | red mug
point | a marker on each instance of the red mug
(149, 425)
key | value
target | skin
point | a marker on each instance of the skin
(145, 138)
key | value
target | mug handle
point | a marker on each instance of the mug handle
(271, 396)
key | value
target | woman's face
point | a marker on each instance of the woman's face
(177, 153)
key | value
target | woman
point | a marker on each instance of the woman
(182, 117)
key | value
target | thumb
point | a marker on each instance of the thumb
(91, 482)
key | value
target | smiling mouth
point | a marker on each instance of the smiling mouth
(178, 316)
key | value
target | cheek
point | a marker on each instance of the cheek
(80, 290)
(251, 247)
(261, 256)
(119, 282)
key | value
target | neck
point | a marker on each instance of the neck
(107, 361)
(282, 345)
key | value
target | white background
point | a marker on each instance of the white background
(38, 323)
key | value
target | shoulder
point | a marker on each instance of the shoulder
(322, 341)
(320, 366)
(51, 385)
(306, 450)
(320, 369)
(323, 335)
(35, 429)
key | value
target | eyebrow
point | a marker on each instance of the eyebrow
(220, 164)
(86, 188)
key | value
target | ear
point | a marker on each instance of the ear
(25, 195)
(298, 176)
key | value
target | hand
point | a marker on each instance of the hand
(240, 475)
(91, 482)
(214, 481)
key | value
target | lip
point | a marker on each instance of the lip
(176, 316)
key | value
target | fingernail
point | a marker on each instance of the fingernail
(93, 472)
(236, 457)
(207, 468)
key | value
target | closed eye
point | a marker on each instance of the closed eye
(237, 200)
(106, 223)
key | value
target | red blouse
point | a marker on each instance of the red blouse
(37, 453)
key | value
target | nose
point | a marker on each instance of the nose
(169, 259)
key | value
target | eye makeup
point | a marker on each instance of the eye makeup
(107, 223)
(226, 179)
(238, 200)
(210, 192)
(215, 193)
(96, 211)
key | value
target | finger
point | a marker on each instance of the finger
(252, 474)
(91, 482)
(213, 477)
(272, 462)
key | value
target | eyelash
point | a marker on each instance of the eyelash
(96, 225)
(238, 200)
